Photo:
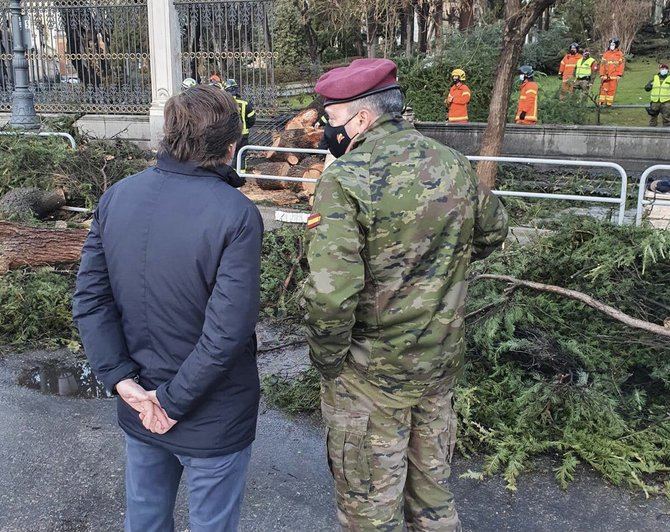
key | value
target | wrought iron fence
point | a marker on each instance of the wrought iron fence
(230, 39)
(88, 56)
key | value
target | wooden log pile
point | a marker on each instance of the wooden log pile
(302, 131)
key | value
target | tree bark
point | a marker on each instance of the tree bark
(274, 169)
(466, 15)
(33, 246)
(424, 12)
(518, 22)
(587, 300)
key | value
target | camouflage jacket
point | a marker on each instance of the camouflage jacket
(395, 224)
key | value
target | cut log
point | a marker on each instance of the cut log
(22, 245)
(304, 119)
(314, 172)
(292, 159)
(23, 203)
(275, 169)
(295, 138)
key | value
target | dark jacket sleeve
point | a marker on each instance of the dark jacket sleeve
(251, 115)
(96, 314)
(230, 320)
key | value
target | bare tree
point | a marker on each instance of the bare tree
(519, 19)
(621, 18)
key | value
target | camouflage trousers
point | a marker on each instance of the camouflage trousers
(390, 456)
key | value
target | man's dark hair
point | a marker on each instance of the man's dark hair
(200, 125)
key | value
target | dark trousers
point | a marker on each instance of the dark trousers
(215, 488)
(663, 109)
(244, 141)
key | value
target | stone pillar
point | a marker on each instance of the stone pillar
(165, 47)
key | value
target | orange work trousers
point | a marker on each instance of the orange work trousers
(608, 91)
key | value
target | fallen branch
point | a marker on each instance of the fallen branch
(584, 298)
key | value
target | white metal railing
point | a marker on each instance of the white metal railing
(641, 200)
(243, 150)
(66, 136)
(619, 200)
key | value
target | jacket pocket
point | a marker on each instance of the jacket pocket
(348, 449)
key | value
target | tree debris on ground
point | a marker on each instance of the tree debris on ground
(548, 374)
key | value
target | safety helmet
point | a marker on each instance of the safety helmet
(458, 73)
(616, 41)
(188, 83)
(230, 85)
(214, 79)
(527, 71)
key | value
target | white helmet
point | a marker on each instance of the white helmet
(188, 83)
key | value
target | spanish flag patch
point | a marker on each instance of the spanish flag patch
(313, 220)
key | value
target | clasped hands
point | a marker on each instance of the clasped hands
(151, 413)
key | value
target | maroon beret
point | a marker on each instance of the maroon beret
(361, 78)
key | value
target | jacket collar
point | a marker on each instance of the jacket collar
(387, 124)
(191, 168)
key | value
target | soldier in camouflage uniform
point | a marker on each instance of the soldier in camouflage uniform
(396, 221)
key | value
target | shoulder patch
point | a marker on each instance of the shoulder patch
(313, 220)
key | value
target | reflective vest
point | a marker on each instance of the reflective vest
(660, 90)
(584, 68)
(613, 64)
(242, 104)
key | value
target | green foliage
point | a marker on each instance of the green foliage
(546, 52)
(49, 163)
(294, 395)
(579, 18)
(283, 269)
(546, 374)
(36, 309)
(288, 35)
(426, 80)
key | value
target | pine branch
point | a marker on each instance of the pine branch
(586, 299)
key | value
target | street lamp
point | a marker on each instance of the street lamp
(23, 102)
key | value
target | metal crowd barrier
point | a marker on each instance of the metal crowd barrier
(641, 200)
(66, 136)
(619, 200)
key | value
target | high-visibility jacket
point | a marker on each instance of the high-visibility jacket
(527, 102)
(457, 102)
(247, 114)
(660, 89)
(568, 65)
(584, 68)
(613, 64)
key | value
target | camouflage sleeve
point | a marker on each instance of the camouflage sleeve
(491, 223)
(337, 274)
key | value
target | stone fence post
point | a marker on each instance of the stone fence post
(166, 73)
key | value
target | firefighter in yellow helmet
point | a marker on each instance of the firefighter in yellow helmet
(458, 98)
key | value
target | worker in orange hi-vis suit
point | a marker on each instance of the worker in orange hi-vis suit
(458, 98)
(611, 69)
(567, 69)
(527, 111)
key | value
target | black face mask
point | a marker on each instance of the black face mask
(337, 138)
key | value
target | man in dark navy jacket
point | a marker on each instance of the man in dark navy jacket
(166, 303)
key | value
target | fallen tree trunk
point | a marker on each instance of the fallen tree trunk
(294, 138)
(304, 119)
(22, 245)
(586, 299)
(275, 169)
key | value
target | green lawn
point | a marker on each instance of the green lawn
(639, 71)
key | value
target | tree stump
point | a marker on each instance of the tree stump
(22, 203)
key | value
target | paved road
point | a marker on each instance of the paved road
(62, 470)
